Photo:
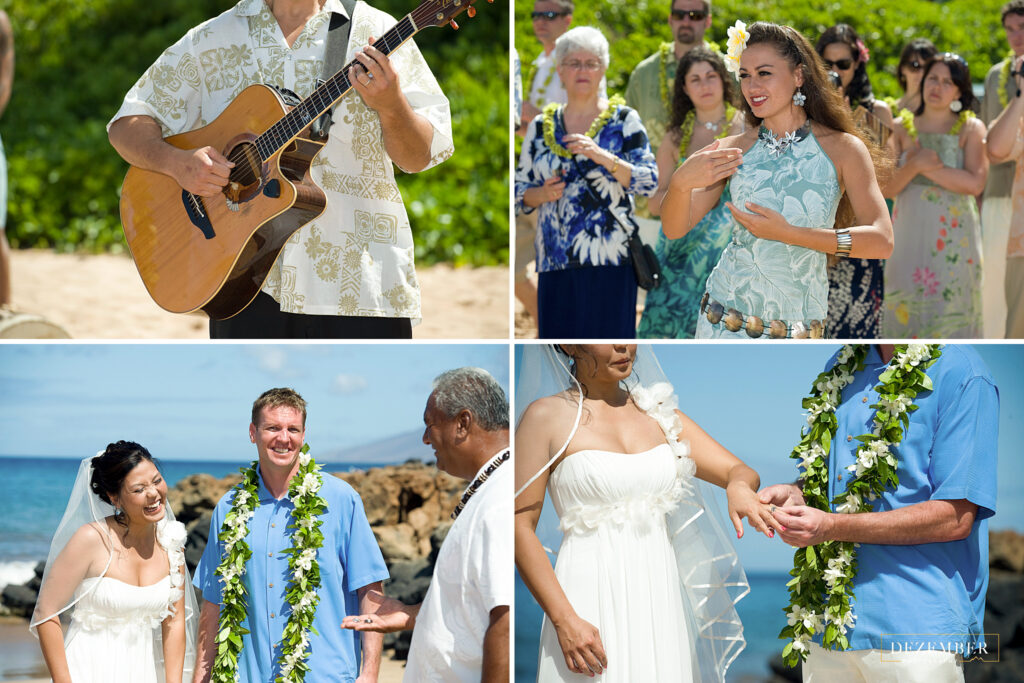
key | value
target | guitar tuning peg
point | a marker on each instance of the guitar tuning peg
(453, 24)
(471, 11)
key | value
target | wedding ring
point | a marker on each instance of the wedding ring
(772, 509)
(369, 76)
(368, 620)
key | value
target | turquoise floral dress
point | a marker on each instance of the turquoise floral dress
(671, 309)
(765, 278)
(933, 278)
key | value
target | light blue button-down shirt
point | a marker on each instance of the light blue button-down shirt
(349, 560)
(948, 453)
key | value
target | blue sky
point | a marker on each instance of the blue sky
(747, 396)
(192, 401)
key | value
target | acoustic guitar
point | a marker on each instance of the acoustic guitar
(215, 253)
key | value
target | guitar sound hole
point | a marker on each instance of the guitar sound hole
(247, 164)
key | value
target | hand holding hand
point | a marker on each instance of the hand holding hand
(375, 79)
(708, 166)
(744, 502)
(803, 526)
(581, 646)
(781, 495)
(762, 222)
(203, 171)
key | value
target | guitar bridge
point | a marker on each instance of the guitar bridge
(197, 213)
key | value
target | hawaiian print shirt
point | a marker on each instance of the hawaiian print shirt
(356, 259)
(577, 230)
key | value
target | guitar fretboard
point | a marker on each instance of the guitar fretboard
(324, 97)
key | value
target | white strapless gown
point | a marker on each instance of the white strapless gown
(617, 566)
(112, 637)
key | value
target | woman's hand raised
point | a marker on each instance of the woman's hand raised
(708, 166)
(581, 645)
(744, 502)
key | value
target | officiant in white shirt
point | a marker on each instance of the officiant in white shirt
(461, 629)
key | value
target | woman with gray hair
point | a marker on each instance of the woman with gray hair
(579, 165)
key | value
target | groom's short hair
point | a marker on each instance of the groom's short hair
(475, 390)
(272, 398)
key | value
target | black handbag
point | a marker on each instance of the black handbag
(645, 262)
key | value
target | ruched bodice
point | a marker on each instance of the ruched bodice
(109, 603)
(766, 278)
(616, 563)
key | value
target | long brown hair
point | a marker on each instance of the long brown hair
(824, 104)
(681, 102)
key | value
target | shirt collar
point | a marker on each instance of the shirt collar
(251, 8)
(487, 464)
(263, 493)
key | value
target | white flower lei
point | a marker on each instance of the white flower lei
(822, 586)
(302, 565)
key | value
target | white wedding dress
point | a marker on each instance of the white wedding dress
(617, 566)
(113, 637)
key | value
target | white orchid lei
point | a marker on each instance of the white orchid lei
(303, 567)
(822, 586)
(738, 37)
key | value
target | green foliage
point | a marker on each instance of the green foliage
(635, 30)
(75, 62)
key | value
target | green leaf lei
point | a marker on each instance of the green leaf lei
(667, 53)
(687, 128)
(821, 590)
(906, 119)
(595, 127)
(1004, 78)
(303, 567)
(532, 74)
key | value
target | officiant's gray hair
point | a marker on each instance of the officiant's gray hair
(475, 390)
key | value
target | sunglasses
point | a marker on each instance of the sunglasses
(691, 14)
(952, 56)
(841, 64)
(549, 15)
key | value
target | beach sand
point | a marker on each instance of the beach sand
(21, 660)
(102, 297)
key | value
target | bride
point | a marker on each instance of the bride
(645, 582)
(117, 566)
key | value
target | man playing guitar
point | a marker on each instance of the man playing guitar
(349, 273)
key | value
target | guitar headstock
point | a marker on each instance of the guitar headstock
(441, 12)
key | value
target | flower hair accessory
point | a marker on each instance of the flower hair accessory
(738, 37)
(864, 55)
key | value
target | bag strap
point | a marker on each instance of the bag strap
(338, 32)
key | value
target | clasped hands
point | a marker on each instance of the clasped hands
(798, 524)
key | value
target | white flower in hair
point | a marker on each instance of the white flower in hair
(738, 37)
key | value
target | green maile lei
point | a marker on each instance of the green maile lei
(821, 590)
(602, 119)
(530, 76)
(302, 597)
(1004, 78)
(686, 129)
(906, 119)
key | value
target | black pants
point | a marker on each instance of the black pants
(264, 319)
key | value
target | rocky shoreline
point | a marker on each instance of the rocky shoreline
(408, 508)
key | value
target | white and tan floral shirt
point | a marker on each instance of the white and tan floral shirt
(356, 259)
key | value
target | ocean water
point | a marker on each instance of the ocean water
(34, 492)
(760, 611)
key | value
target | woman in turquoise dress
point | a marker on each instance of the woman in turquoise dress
(703, 110)
(933, 280)
(803, 185)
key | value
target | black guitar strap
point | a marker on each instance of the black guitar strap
(334, 59)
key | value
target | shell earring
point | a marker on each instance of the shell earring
(955, 106)
(799, 98)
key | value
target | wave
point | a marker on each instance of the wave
(16, 572)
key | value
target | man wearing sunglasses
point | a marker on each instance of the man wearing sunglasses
(997, 202)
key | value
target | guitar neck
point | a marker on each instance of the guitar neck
(325, 96)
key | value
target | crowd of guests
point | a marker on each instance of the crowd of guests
(787, 199)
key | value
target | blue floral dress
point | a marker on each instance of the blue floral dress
(765, 278)
(933, 278)
(671, 310)
(586, 286)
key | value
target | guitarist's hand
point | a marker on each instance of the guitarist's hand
(203, 171)
(375, 80)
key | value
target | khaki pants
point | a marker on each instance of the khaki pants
(881, 666)
(1015, 297)
(995, 232)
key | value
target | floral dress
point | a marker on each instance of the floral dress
(933, 278)
(586, 285)
(671, 310)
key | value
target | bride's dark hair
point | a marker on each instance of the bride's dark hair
(110, 468)
(574, 369)
(824, 104)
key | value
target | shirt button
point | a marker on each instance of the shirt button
(270, 554)
(272, 615)
(838, 478)
(274, 524)
(849, 439)
(271, 586)
(864, 400)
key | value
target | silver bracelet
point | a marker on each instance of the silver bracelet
(844, 241)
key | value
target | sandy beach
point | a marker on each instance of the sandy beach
(21, 660)
(102, 297)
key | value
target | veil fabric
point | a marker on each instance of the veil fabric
(65, 572)
(711, 578)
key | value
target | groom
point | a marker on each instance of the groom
(461, 629)
(923, 554)
(350, 563)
